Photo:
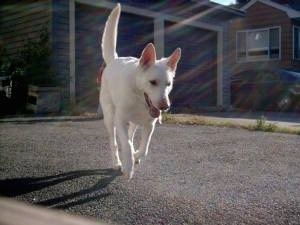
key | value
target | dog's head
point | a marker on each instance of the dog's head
(155, 78)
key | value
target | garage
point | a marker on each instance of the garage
(195, 84)
(89, 21)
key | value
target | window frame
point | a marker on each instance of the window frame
(294, 41)
(251, 58)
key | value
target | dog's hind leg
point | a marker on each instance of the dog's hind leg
(111, 129)
(147, 131)
(113, 141)
(109, 116)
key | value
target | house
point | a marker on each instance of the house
(266, 40)
(199, 27)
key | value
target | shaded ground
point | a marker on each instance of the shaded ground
(193, 175)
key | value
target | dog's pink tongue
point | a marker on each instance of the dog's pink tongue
(154, 112)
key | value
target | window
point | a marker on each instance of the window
(258, 44)
(296, 42)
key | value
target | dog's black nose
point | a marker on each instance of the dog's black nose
(164, 105)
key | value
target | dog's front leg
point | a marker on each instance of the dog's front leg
(147, 131)
(127, 149)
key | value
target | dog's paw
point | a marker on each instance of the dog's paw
(128, 174)
(117, 167)
(127, 169)
(139, 159)
(116, 163)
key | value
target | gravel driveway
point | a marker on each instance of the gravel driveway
(193, 174)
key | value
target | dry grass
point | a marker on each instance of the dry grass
(260, 125)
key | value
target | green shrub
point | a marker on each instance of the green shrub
(262, 125)
(34, 62)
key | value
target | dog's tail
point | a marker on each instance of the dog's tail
(109, 38)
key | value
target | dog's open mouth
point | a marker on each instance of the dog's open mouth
(154, 112)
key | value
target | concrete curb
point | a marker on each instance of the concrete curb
(49, 119)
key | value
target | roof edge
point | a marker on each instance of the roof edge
(290, 12)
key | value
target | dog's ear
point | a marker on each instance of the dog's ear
(174, 59)
(148, 56)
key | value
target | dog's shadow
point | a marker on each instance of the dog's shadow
(20, 186)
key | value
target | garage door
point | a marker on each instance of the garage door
(196, 80)
(134, 33)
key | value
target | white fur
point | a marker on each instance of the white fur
(125, 81)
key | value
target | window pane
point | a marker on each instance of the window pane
(274, 38)
(274, 43)
(241, 45)
(258, 44)
(258, 40)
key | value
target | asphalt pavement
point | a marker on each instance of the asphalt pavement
(193, 174)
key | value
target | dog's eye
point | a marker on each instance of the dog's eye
(168, 84)
(153, 82)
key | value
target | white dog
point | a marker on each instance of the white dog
(133, 93)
